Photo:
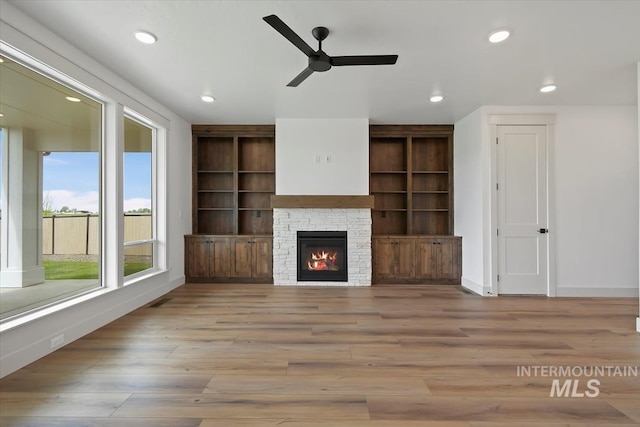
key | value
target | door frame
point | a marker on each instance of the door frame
(548, 121)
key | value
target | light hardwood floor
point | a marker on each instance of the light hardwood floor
(387, 356)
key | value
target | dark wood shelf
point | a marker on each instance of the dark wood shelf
(430, 192)
(390, 192)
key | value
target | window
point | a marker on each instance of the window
(50, 160)
(138, 200)
(80, 208)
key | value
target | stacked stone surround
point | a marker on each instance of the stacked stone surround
(288, 221)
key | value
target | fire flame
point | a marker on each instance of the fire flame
(322, 260)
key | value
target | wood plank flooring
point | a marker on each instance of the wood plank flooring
(388, 356)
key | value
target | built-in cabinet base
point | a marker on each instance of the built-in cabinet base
(417, 259)
(233, 258)
(396, 259)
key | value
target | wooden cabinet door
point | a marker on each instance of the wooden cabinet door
(383, 258)
(405, 258)
(241, 253)
(219, 257)
(428, 254)
(451, 258)
(394, 258)
(197, 257)
(446, 258)
(439, 258)
(262, 257)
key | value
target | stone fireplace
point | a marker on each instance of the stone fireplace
(315, 214)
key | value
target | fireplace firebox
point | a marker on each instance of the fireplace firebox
(322, 256)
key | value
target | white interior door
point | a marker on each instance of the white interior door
(522, 210)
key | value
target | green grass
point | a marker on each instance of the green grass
(56, 270)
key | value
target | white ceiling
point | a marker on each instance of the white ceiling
(224, 48)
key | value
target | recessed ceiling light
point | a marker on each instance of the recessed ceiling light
(146, 37)
(498, 36)
(436, 98)
(72, 99)
(547, 88)
(1, 115)
(1, 60)
(207, 98)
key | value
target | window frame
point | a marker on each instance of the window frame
(57, 77)
(111, 230)
(155, 259)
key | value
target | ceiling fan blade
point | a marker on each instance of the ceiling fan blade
(300, 77)
(288, 33)
(337, 61)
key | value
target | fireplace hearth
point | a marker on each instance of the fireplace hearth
(322, 256)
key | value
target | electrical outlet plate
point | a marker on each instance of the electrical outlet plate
(57, 341)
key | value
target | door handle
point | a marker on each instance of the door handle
(543, 230)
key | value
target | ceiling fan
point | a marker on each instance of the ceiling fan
(318, 60)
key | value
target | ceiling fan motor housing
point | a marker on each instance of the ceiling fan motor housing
(320, 61)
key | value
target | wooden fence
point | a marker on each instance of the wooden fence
(78, 234)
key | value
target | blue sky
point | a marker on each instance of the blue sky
(72, 180)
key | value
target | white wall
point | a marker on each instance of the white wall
(21, 345)
(594, 179)
(638, 104)
(322, 156)
(596, 204)
(468, 202)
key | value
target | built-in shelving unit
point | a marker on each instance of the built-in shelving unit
(411, 178)
(234, 179)
(411, 195)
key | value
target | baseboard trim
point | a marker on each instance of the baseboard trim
(476, 288)
(596, 292)
(181, 280)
